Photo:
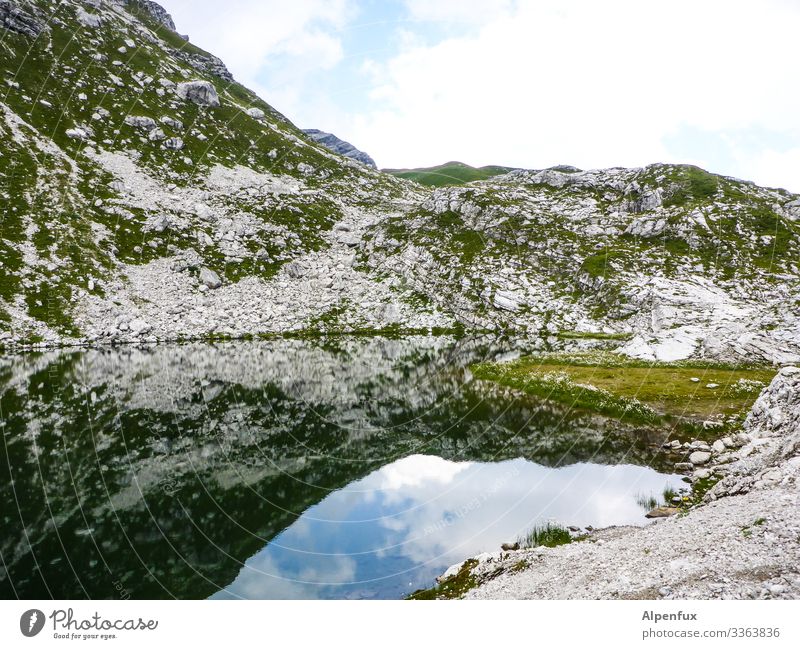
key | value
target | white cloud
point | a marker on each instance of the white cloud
(415, 470)
(777, 169)
(249, 35)
(586, 83)
(528, 83)
(459, 11)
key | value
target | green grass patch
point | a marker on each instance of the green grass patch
(592, 335)
(454, 587)
(450, 173)
(649, 502)
(599, 264)
(548, 535)
(633, 390)
(695, 184)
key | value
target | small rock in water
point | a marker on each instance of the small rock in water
(662, 512)
(712, 385)
(694, 379)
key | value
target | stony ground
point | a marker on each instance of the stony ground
(150, 197)
(742, 542)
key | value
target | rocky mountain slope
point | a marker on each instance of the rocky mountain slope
(683, 261)
(337, 145)
(148, 196)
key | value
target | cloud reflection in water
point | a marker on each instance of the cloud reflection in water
(395, 530)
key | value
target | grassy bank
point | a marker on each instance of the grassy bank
(637, 391)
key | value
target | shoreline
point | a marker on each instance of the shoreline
(741, 541)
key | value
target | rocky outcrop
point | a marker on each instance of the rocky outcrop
(199, 60)
(206, 63)
(21, 17)
(330, 141)
(772, 434)
(154, 10)
(630, 251)
(199, 92)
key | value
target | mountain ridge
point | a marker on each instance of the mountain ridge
(449, 173)
(148, 196)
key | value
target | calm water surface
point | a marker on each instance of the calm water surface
(359, 468)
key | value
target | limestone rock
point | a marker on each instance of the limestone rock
(154, 10)
(199, 92)
(662, 512)
(330, 141)
(173, 143)
(144, 123)
(88, 20)
(21, 19)
(699, 457)
(507, 300)
(209, 278)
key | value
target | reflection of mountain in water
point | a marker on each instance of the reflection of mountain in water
(161, 470)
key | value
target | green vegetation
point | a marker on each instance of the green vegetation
(599, 264)
(454, 587)
(592, 335)
(633, 390)
(701, 487)
(748, 530)
(450, 173)
(649, 501)
(694, 184)
(519, 566)
(549, 535)
(669, 494)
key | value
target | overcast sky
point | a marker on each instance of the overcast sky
(528, 83)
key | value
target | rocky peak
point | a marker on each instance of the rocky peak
(154, 10)
(337, 145)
